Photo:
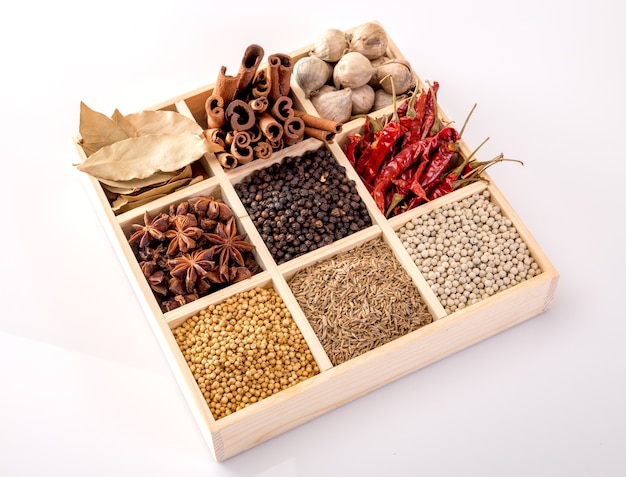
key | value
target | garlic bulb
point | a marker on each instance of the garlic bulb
(362, 99)
(382, 99)
(330, 45)
(370, 40)
(333, 104)
(397, 72)
(352, 70)
(311, 73)
(376, 62)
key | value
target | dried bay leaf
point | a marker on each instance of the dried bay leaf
(126, 187)
(140, 157)
(156, 191)
(162, 122)
(97, 130)
(124, 123)
(185, 173)
(120, 205)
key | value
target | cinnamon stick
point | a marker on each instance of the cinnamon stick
(226, 86)
(216, 136)
(276, 144)
(243, 154)
(259, 104)
(318, 123)
(226, 159)
(326, 136)
(255, 133)
(271, 128)
(248, 68)
(282, 108)
(280, 67)
(240, 139)
(293, 130)
(214, 107)
(239, 115)
(261, 84)
(262, 150)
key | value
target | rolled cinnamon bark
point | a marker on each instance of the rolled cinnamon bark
(240, 139)
(326, 136)
(276, 144)
(228, 138)
(271, 128)
(255, 133)
(262, 150)
(226, 159)
(318, 123)
(226, 86)
(259, 104)
(248, 68)
(242, 154)
(293, 130)
(214, 107)
(216, 136)
(239, 115)
(282, 108)
(261, 84)
(280, 67)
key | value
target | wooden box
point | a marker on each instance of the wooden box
(333, 385)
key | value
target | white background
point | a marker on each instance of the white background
(84, 387)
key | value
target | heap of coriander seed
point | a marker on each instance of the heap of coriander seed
(244, 349)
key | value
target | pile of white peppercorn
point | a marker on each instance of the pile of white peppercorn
(467, 251)
(303, 204)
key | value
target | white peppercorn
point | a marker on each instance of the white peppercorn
(468, 251)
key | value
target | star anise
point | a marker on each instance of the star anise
(155, 277)
(153, 229)
(180, 209)
(211, 208)
(178, 301)
(229, 245)
(189, 268)
(184, 234)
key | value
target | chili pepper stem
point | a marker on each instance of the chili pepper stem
(483, 166)
(410, 112)
(459, 170)
(395, 116)
(395, 200)
(467, 120)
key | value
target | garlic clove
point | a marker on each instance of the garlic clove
(330, 45)
(333, 104)
(352, 70)
(397, 72)
(370, 39)
(362, 99)
(311, 73)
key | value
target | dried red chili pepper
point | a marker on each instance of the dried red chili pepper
(418, 111)
(440, 161)
(398, 164)
(352, 148)
(445, 186)
(430, 111)
(382, 146)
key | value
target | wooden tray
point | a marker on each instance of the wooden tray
(334, 385)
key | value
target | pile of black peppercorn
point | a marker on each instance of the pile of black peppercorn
(303, 204)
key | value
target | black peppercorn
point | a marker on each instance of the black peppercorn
(302, 204)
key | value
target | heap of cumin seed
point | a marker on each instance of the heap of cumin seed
(359, 300)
